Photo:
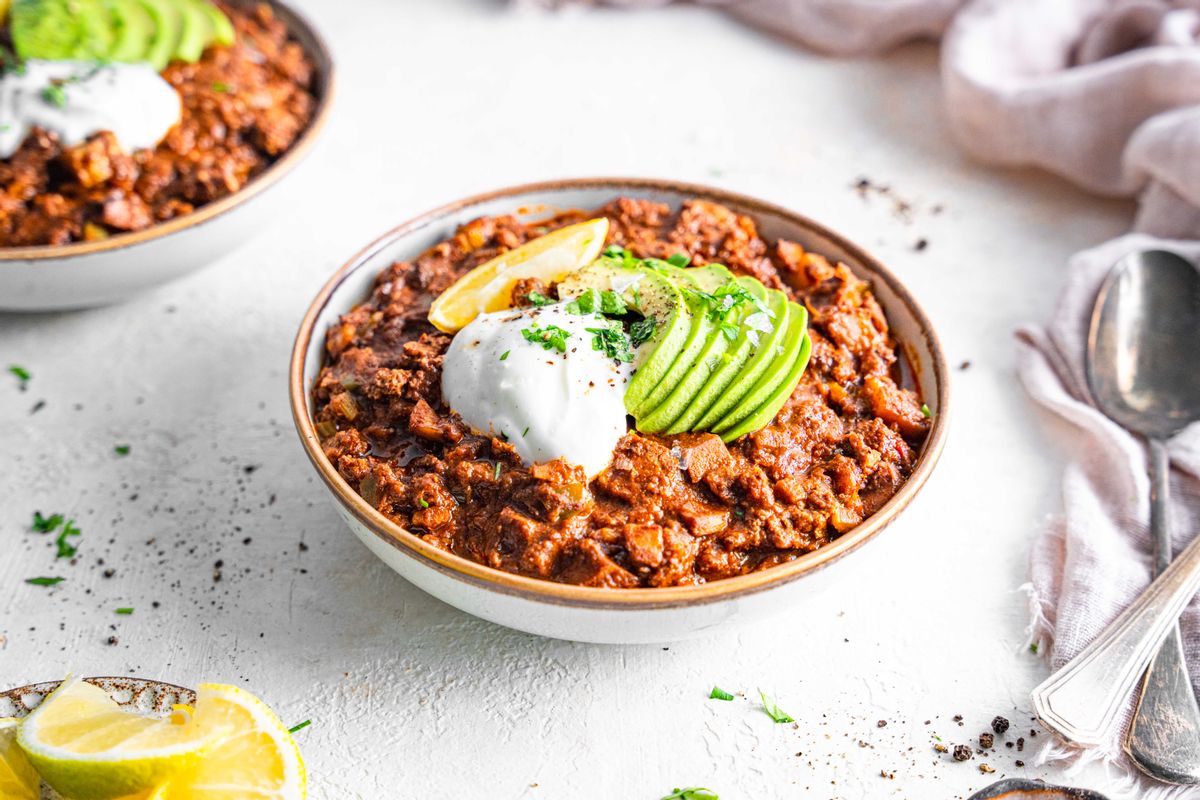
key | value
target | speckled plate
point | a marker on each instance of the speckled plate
(1018, 789)
(153, 698)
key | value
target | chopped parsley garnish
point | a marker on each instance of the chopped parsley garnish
(615, 251)
(550, 337)
(300, 727)
(121, 449)
(524, 433)
(680, 260)
(65, 548)
(773, 711)
(539, 299)
(504, 355)
(45, 581)
(125, 612)
(222, 87)
(46, 524)
(692, 793)
(22, 374)
(422, 502)
(642, 331)
(496, 477)
(595, 301)
(718, 693)
(613, 342)
(1033, 647)
(925, 410)
(55, 95)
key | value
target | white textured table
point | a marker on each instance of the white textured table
(411, 698)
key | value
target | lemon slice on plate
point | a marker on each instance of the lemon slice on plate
(489, 286)
(18, 779)
(254, 757)
(87, 747)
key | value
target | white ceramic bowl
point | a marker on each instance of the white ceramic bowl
(586, 613)
(86, 274)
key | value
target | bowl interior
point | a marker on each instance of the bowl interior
(353, 283)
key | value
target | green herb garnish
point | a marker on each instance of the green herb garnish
(65, 548)
(55, 95)
(46, 524)
(222, 87)
(925, 410)
(642, 331)
(121, 449)
(539, 299)
(300, 727)
(680, 260)
(718, 693)
(504, 355)
(550, 337)
(692, 793)
(496, 477)
(1033, 648)
(125, 612)
(422, 502)
(524, 433)
(22, 374)
(45, 581)
(613, 342)
(773, 711)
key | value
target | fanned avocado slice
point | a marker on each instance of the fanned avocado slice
(656, 298)
(198, 30)
(766, 412)
(778, 370)
(707, 279)
(168, 30)
(61, 30)
(732, 381)
(223, 32)
(134, 31)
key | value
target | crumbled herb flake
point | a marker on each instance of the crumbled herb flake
(692, 793)
(612, 341)
(925, 410)
(680, 260)
(55, 94)
(45, 581)
(222, 87)
(539, 299)
(550, 337)
(65, 548)
(22, 374)
(524, 433)
(121, 449)
(504, 355)
(125, 612)
(497, 475)
(718, 693)
(422, 502)
(300, 727)
(1033, 647)
(46, 524)
(773, 711)
(642, 331)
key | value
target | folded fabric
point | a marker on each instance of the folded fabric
(1105, 93)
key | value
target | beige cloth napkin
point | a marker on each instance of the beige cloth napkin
(1105, 93)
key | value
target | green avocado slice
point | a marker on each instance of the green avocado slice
(223, 32)
(656, 298)
(766, 412)
(705, 279)
(168, 30)
(730, 383)
(778, 370)
(59, 30)
(134, 31)
(198, 30)
(721, 365)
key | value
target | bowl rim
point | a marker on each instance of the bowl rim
(307, 34)
(590, 597)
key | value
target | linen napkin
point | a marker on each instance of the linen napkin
(1105, 93)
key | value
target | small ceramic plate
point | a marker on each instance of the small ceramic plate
(85, 274)
(153, 698)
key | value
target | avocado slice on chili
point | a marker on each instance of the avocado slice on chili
(778, 371)
(61, 30)
(168, 30)
(766, 412)
(197, 32)
(134, 31)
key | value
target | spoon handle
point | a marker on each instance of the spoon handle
(1082, 700)
(1164, 737)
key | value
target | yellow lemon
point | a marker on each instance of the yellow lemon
(489, 286)
(18, 779)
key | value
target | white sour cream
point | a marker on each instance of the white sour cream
(131, 100)
(549, 404)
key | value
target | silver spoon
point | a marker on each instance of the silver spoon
(1142, 369)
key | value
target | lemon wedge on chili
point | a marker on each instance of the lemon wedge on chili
(86, 746)
(254, 754)
(18, 779)
(489, 286)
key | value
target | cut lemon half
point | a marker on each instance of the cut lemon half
(89, 748)
(489, 286)
(255, 756)
(18, 779)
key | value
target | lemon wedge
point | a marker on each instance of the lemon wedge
(489, 286)
(18, 779)
(254, 755)
(89, 748)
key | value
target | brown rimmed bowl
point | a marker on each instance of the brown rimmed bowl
(584, 613)
(84, 274)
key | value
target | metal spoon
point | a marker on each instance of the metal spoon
(1142, 369)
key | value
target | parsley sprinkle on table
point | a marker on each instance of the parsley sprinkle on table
(524, 433)
(692, 793)
(718, 693)
(125, 612)
(46, 524)
(22, 374)
(301, 726)
(773, 711)
(65, 548)
(45, 581)
(504, 355)
(121, 449)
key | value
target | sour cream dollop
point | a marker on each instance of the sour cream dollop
(76, 99)
(549, 404)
